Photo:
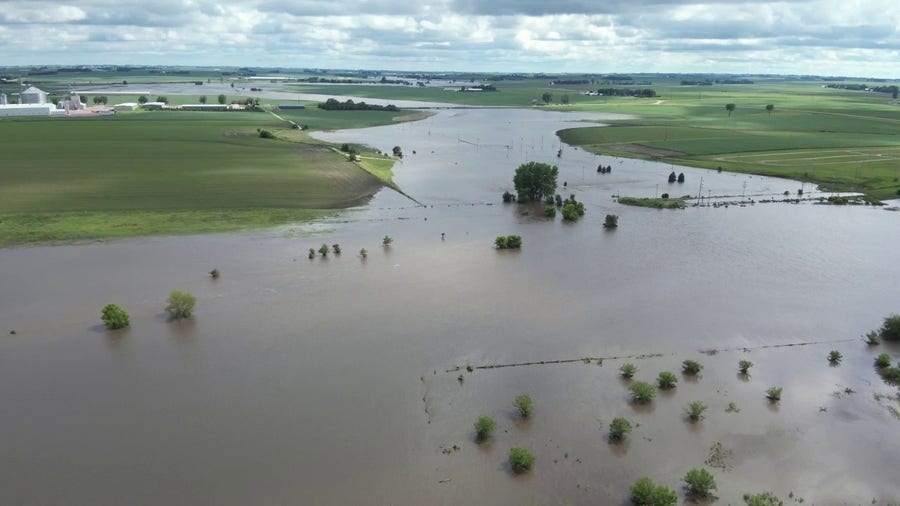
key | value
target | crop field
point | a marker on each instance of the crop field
(133, 173)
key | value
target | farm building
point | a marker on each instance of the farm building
(33, 96)
(73, 103)
(126, 106)
(2, 98)
(154, 106)
(10, 110)
(205, 107)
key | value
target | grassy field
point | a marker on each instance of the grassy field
(166, 172)
(655, 203)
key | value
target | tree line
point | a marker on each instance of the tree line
(627, 92)
(349, 105)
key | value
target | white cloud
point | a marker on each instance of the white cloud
(846, 37)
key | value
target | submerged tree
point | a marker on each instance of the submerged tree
(535, 180)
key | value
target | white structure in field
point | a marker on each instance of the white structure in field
(33, 96)
(2, 98)
(29, 110)
(126, 106)
(73, 103)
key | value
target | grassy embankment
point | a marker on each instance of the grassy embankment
(655, 203)
(842, 140)
(64, 180)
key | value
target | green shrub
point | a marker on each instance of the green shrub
(891, 375)
(570, 212)
(744, 366)
(500, 242)
(883, 360)
(114, 317)
(642, 392)
(890, 330)
(628, 370)
(520, 459)
(484, 426)
(774, 393)
(323, 250)
(873, 338)
(666, 380)
(180, 304)
(762, 499)
(336, 248)
(645, 493)
(508, 197)
(550, 211)
(214, 273)
(835, 357)
(695, 410)
(265, 134)
(699, 483)
(312, 253)
(387, 241)
(524, 404)
(691, 367)
(508, 242)
(364, 253)
(618, 427)
(611, 221)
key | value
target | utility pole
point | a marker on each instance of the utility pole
(700, 191)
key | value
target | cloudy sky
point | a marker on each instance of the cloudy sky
(824, 37)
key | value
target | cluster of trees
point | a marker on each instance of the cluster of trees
(710, 82)
(627, 92)
(349, 105)
(179, 305)
(100, 99)
(508, 242)
(673, 177)
(892, 89)
(520, 459)
(571, 208)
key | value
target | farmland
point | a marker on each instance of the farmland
(165, 172)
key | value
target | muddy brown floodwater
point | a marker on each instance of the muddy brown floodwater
(334, 381)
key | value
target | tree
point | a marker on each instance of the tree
(142, 99)
(483, 427)
(645, 493)
(672, 177)
(547, 97)
(520, 459)
(535, 180)
(730, 108)
(398, 152)
(162, 99)
(202, 99)
(323, 250)
(618, 427)
(666, 380)
(114, 317)
(681, 177)
(524, 404)
(770, 108)
(387, 241)
(222, 99)
(180, 305)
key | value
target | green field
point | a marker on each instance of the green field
(169, 172)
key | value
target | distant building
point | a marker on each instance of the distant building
(9, 110)
(73, 103)
(33, 96)
(127, 106)
(154, 106)
(205, 107)
(3, 99)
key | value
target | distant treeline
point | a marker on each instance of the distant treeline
(864, 87)
(315, 79)
(334, 105)
(572, 81)
(710, 82)
(627, 92)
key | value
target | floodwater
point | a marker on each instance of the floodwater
(335, 381)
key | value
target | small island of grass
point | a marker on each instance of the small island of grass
(656, 203)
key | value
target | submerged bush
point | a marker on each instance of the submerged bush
(214, 273)
(628, 370)
(364, 253)
(550, 211)
(774, 393)
(618, 427)
(890, 330)
(508, 242)
(744, 366)
(882, 360)
(891, 375)
(524, 404)
(387, 241)
(873, 338)
(691, 367)
(520, 459)
(114, 317)
(484, 426)
(835, 357)
(336, 248)
(642, 392)
(762, 499)
(666, 380)
(645, 493)
(508, 197)
(312, 253)
(323, 250)
(611, 221)
(699, 483)
(695, 410)
(180, 304)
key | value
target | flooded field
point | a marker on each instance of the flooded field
(335, 381)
